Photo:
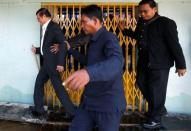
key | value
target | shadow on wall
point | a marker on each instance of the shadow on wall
(10, 94)
(179, 104)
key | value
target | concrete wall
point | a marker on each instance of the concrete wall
(19, 30)
(179, 89)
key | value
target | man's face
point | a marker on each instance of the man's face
(41, 19)
(146, 12)
(88, 25)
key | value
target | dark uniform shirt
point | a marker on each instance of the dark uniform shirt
(104, 63)
(158, 43)
(143, 44)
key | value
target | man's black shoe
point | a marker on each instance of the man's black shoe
(33, 116)
(151, 125)
(37, 115)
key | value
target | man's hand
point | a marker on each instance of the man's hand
(181, 72)
(33, 49)
(77, 80)
(67, 44)
(60, 68)
(55, 48)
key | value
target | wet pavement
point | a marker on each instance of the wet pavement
(130, 122)
(10, 115)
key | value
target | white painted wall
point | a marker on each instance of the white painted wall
(19, 30)
(179, 89)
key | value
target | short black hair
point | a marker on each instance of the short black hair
(43, 11)
(92, 11)
(151, 3)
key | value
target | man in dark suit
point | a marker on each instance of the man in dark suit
(158, 49)
(103, 101)
(53, 63)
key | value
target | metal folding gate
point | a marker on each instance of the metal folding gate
(67, 15)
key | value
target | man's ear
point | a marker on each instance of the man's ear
(95, 20)
(44, 16)
(155, 9)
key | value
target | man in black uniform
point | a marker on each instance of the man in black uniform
(158, 49)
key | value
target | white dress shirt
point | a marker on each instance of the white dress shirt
(43, 33)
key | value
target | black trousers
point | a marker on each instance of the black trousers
(153, 85)
(43, 76)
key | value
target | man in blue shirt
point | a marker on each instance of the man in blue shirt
(103, 101)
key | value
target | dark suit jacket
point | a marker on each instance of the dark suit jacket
(163, 44)
(41, 58)
(53, 35)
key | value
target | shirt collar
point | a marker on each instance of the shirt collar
(46, 24)
(153, 18)
(98, 33)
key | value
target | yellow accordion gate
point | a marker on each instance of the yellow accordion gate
(67, 15)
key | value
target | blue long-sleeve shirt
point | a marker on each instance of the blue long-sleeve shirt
(104, 64)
